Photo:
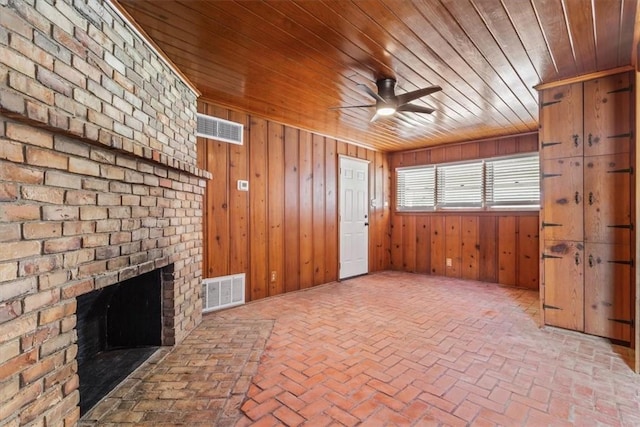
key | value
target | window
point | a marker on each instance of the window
(497, 183)
(416, 188)
(513, 182)
(460, 185)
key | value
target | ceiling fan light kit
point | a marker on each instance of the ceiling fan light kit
(385, 111)
(388, 103)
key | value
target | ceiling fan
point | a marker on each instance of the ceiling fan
(388, 103)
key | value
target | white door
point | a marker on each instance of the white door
(354, 217)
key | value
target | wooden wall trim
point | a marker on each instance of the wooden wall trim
(637, 221)
(583, 77)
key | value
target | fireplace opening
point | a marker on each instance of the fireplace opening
(119, 327)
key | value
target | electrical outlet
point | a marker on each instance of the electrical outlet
(273, 276)
(449, 262)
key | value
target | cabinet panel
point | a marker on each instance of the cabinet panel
(561, 138)
(607, 290)
(607, 115)
(562, 206)
(607, 204)
(564, 288)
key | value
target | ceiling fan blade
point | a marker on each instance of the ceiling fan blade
(410, 108)
(371, 92)
(410, 96)
(375, 117)
(351, 106)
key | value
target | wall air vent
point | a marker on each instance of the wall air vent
(222, 292)
(219, 129)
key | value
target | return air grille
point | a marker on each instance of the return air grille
(222, 292)
(219, 129)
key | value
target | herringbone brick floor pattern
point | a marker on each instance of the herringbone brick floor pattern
(390, 349)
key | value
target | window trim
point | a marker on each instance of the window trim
(485, 207)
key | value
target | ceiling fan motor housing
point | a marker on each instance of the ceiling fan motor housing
(386, 90)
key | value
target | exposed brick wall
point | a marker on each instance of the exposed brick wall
(98, 184)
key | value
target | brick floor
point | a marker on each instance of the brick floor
(384, 349)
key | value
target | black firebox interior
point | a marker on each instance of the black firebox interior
(119, 327)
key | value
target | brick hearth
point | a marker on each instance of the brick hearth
(98, 184)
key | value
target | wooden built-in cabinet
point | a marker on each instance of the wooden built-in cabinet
(586, 147)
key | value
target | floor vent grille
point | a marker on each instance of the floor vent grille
(220, 129)
(222, 292)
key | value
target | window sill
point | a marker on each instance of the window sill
(471, 212)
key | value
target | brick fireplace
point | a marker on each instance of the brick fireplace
(98, 185)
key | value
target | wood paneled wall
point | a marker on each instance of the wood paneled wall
(493, 247)
(287, 222)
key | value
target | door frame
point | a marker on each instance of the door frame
(368, 203)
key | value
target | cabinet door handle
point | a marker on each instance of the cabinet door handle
(577, 258)
(590, 260)
(591, 198)
(590, 140)
(577, 197)
(575, 140)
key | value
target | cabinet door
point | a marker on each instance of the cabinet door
(607, 199)
(564, 289)
(562, 199)
(561, 122)
(607, 291)
(607, 115)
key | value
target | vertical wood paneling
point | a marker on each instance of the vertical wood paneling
(342, 148)
(201, 149)
(423, 157)
(384, 213)
(409, 243)
(470, 151)
(291, 209)
(276, 204)
(507, 250)
(306, 210)
(438, 155)
(287, 222)
(453, 153)
(528, 252)
(487, 148)
(371, 219)
(507, 146)
(478, 249)
(438, 246)
(238, 202)
(331, 211)
(470, 248)
(217, 204)
(453, 243)
(258, 186)
(319, 213)
(397, 245)
(528, 143)
(488, 234)
(423, 244)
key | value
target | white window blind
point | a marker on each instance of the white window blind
(513, 182)
(502, 182)
(459, 185)
(416, 188)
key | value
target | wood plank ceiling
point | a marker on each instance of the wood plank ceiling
(291, 61)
